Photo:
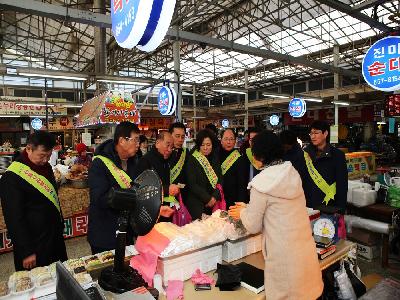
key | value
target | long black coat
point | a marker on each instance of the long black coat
(234, 180)
(173, 160)
(33, 222)
(199, 189)
(103, 220)
(333, 168)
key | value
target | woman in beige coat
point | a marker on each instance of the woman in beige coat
(278, 208)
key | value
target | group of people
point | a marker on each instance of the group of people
(266, 186)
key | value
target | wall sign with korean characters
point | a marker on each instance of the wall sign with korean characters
(381, 64)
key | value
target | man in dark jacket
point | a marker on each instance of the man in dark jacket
(233, 170)
(157, 159)
(121, 151)
(330, 163)
(179, 155)
(30, 206)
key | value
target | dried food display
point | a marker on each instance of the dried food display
(92, 261)
(44, 279)
(83, 278)
(4, 290)
(77, 172)
(106, 256)
(23, 284)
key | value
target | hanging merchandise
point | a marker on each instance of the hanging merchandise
(167, 101)
(141, 23)
(381, 64)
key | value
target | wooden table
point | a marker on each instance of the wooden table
(257, 260)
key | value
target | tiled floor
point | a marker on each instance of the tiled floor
(372, 272)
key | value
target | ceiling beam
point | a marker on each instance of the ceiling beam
(347, 9)
(95, 19)
(367, 4)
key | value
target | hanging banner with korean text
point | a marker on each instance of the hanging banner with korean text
(381, 64)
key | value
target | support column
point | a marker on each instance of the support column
(336, 82)
(246, 100)
(177, 76)
(194, 112)
(100, 45)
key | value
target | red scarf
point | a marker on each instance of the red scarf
(45, 170)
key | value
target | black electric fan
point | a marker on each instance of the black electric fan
(139, 208)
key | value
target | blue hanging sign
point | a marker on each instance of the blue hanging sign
(167, 101)
(36, 123)
(141, 23)
(225, 123)
(381, 64)
(274, 120)
(297, 107)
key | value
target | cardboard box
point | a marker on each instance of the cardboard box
(364, 237)
(368, 252)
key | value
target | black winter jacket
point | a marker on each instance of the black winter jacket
(333, 168)
(173, 160)
(248, 167)
(199, 189)
(235, 180)
(103, 220)
(33, 222)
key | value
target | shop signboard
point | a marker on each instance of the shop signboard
(36, 123)
(297, 107)
(156, 123)
(359, 164)
(334, 134)
(141, 23)
(109, 107)
(381, 64)
(274, 120)
(166, 101)
(225, 123)
(73, 227)
(12, 108)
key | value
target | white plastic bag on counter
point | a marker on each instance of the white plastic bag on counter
(342, 281)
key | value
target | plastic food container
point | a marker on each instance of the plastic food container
(23, 286)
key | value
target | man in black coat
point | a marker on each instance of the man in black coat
(330, 164)
(157, 159)
(178, 132)
(121, 151)
(233, 170)
(33, 217)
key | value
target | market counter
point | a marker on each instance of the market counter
(257, 260)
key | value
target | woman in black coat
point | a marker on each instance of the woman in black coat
(202, 194)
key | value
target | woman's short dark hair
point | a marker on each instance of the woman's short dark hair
(267, 147)
(202, 135)
(42, 138)
(288, 137)
(142, 139)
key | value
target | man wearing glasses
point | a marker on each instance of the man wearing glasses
(325, 175)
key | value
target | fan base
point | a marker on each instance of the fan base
(120, 282)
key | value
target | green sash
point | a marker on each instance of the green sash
(250, 157)
(123, 180)
(177, 169)
(328, 190)
(229, 161)
(208, 169)
(39, 182)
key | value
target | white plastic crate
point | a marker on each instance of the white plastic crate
(234, 250)
(182, 267)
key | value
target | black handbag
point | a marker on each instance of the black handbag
(229, 277)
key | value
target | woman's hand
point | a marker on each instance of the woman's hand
(212, 202)
(234, 211)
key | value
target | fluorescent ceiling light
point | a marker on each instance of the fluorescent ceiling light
(240, 115)
(76, 116)
(41, 117)
(73, 105)
(312, 100)
(9, 116)
(52, 76)
(381, 123)
(229, 91)
(35, 104)
(123, 82)
(276, 96)
(341, 103)
(197, 117)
